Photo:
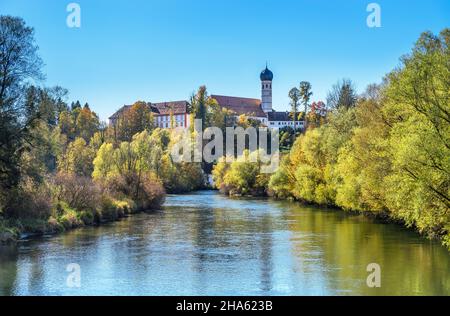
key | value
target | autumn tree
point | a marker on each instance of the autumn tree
(77, 159)
(136, 119)
(86, 123)
(79, 122)
(317, 114)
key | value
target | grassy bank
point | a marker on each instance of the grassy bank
(66, 218)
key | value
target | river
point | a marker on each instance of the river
(207, 244)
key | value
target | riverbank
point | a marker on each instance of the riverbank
(13, 230)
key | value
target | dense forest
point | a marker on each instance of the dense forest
(385, 152)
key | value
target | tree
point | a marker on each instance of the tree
(45, 141)
(342, 95)
(218, 116)
(202, 106)
(39, 159)
(147, 155)
(136, 119)
(363, 162)
(317, 114)
(294, 95)
(417, 108)
(79, 122)
(386, 151)
(19, 63)
(305, 94)
(86, 124)
(48, 102)
(241, 177)
(287, 137)
(76, 105)
(77, 159)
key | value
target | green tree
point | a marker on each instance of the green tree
(364, 161)
(305, 94)
(200, 102)
(241, 177)
(418, 110)
(19, 62)
(77, 159)
(294, 95)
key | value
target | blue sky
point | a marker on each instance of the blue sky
(162, 50)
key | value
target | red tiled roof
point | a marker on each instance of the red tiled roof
(161, 108)
(164, 108)
(247, 106)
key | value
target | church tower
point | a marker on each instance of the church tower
(266, 90)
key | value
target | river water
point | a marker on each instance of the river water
(208, 244)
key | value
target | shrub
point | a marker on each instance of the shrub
(31, 225)
(279, 184)
(29, 200)
(119, 186)
(108, 209)
(181, 177)
(143, 192)
(241, 177)
(218, 175)
(87, 217)
(70, 219)
(152, 194)
(5, 229)
(54, 226)
(80, 193)
(124, 207)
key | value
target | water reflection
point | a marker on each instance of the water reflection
(206, 244)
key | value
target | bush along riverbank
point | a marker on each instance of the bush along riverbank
(67, 201)
(386, 152)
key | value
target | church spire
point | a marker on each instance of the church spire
(266, 89)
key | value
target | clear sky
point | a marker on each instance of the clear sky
(162, 50)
